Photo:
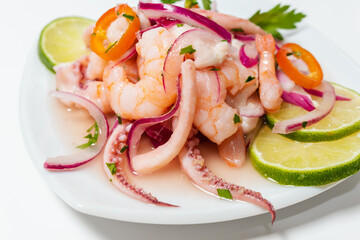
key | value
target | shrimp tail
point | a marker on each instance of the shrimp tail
(265, 43)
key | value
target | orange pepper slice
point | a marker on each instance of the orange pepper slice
(98, 39)
(310, 80)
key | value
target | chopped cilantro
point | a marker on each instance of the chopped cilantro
(215, 69)
(224, 40)
(190, 3)
(237, 30)
(189, 49)
(123, 149)
(277, 18)
(180, 24)
(112, 45)
(207, 4)
(93, 34)
(224, 193)
(298, 54)
(119, 119)
(92, 139)
(112, 168)
(304, 124)
(170, 1)
(130, 17)
(236, 118)
(249, 78)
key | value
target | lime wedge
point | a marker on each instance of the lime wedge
(343, 120)
(304, 164)
(61, 41)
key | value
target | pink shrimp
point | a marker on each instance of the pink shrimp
(270, 89)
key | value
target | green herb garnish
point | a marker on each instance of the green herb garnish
(304, 124)
(119, 119)
(237, 30)
(130, 17)
(189, 49)
(179, 24)
(117, 13)
(123, 149)
(224, 193)
(207, 4)
(93, 34)
(277, 18)
(112, 168)
(170, 1)
(190, 3)
(92, 138)
(249, 78)
(112, 45)
(215, 69)
(224, 40)
(236, 118)
(298, 54)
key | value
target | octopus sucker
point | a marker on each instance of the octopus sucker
(193, 164)
(116, 159)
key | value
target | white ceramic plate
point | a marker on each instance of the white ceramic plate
(48, 132)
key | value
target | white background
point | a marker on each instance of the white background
(28, 208)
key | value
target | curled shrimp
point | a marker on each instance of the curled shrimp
(146, 97)
(270, 89)
(213, 117)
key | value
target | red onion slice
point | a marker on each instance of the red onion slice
(129, 54)
(245, 59)
(244, 37)
(157, 10)
(186, 103)
(318, 93)
(299, 100)
(140, 33)
(293, 93)
(166, 22)
(325, 106)
(158, 134)
(82, 156)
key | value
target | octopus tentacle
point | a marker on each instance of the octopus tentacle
(115, 166)
(193, 164)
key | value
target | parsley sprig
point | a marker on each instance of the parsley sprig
(277, 18)
(92, 139)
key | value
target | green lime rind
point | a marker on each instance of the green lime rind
(45, 57)
(316, 177)
(304, 135)
(312, 135)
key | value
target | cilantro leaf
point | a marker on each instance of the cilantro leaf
(207, 4)
(170, 1)
(224, 193)
(190, 3)
(189, 49)
(277, 18)
(92, 139)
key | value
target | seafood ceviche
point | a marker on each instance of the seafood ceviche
(179, 75)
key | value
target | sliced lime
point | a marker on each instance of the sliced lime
(61, 41)
(343, 120)
(297, 163)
